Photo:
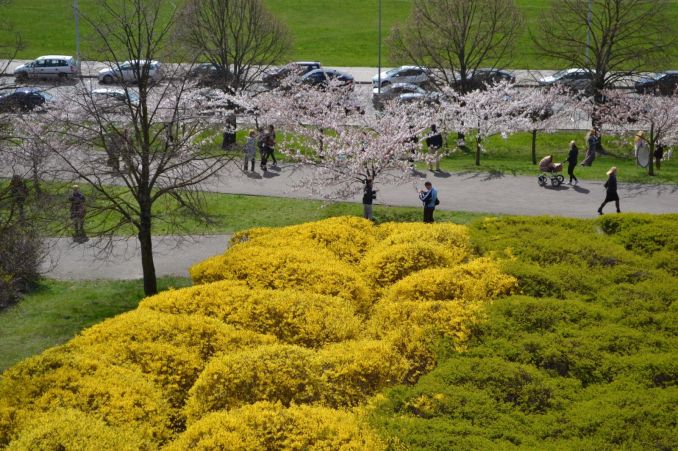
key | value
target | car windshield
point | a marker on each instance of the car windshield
(393, 71)
(561, 73)
(659, 76)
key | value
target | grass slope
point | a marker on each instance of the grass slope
(339, 33)
(56, 311)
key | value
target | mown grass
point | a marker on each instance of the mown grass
(339, 33)
(57, 310)
(583, 356)
(512, 156)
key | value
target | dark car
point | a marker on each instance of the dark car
(273, 77)
(664, 83)
(14, 100)
(482, 78)
(208, 74)
(322, 77)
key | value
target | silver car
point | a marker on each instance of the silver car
(49, 66)
(403, 74)
(129, 70)
(404, 91)
(114, 99)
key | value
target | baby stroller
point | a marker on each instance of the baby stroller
(549, 171)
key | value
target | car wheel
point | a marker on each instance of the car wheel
(62, 76)
(385, 83)
(22, 76)
(107, 80)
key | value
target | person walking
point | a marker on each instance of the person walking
(269, 144)
(429, 197)
(19, 192)
(263, 151)
(572, 162)
(77, 200)
(250, 150)
(369, 194)
(230, 129)
(434, 142)
(592, 143)
(658, 155)
(611, 190)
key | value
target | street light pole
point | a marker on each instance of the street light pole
(588, 31)
(379, 54)
(76, 13)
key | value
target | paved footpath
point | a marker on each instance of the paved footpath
(479, 192)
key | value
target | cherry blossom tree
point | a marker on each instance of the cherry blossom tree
(496, 110)
(330, 132)
(626, 113)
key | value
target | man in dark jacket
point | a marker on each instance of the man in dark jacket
(77, 200)
(434, 142)
(429, 197)
(369, 194)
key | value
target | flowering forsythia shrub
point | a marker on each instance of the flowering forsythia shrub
(278, 337)
(266, 425)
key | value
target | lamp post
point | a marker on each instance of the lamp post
(379, 54)
(76, 13)
(588, 31)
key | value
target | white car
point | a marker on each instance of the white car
(403, 74)
(400, 91)
(129, 71)
(566, 77)
(49, 66)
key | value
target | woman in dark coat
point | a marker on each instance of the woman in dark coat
(592, 143)
(611, 187)
(572, 162)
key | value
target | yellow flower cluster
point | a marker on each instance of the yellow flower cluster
(278, 345)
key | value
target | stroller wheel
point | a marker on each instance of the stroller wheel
(555, 182)
(541, 180)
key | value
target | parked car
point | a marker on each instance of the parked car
(272, 77)
(23, 99)
(665, 83)
(403, 74)
(129, 70)
(401, 91)
(208, 74)
(566, 77)
(322, 77)
(114, 98)
(484, 77)
(50, 66)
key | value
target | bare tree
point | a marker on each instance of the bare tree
(239, 37)
(611, 39)
(456, 37)
(146, 158)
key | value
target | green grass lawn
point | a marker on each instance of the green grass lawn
(339, 33)
(56, 311)
(512, 156)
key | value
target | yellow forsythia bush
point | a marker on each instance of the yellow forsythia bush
(172, 349)
(476, 281)
(69, 429)
(270, 426)
(276, 372)
(347, 237)
(385, 265)
(281, 332)
(61, 378)
(287, 266)
(352, 371)
(295, 317)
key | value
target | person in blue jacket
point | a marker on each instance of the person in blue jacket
(429, 196)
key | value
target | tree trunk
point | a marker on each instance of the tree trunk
(146, 246)
(650, 166)
(478, 139)
(534, 146)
